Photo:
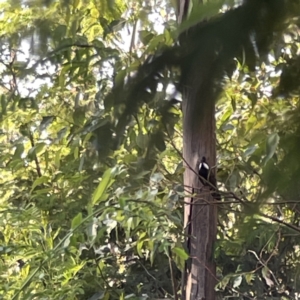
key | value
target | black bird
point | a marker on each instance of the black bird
(203, 171)
(207, 177)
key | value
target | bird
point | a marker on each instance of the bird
(207, 177)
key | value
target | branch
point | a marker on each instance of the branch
(37, 164)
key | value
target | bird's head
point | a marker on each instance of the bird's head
(203, 164)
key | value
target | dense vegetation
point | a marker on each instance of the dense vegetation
(87, 216)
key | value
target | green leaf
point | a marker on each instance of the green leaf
(234, 180)
(120, 76)
(19, 151)
(79, 116)
(31, 153)
(61, 78)
(180, 252)
(152, 255)
(74, 27)
(168, 37)
(250, 150)
(233, 103)
(39, 148)
(146, 36)
(271, 145)
(57, 158)
(46, 157)
(76, 221)
(103, 185)
(39, 181)
(60, 32)
(122, 202)
(142, 140)
(253, 98)
(140, 243)
(249, 277)
(117, 25)
(155, 42)
(67, 241)
(222, 284)
(3, 104)
(89, 209)
(76, 152)
(82, 158)
(94, 13)
(75, 3)
(92, 229)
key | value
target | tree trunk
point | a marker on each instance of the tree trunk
(199, 139)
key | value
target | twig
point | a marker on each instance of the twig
(37, 163)
(172, 274)
(264, 264)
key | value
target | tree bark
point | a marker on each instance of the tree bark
(199, 139)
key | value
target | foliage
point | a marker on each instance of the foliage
(259, 133)
(79, 220)
(87, 216)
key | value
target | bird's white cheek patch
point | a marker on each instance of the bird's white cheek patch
(204, 165)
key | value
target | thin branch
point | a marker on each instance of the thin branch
(37, 163)
(172, 274)
(264, 264)
(132, 39)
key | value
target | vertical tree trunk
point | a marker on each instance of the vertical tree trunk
(215, 45)
(199, 139)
